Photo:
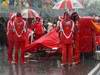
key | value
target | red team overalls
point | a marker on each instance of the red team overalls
(75, 17)
(76, 44)
(10, 39)
(20, 37)
(38, 29)
(66, 40)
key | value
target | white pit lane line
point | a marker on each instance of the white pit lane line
(94, 69)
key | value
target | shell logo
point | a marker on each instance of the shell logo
(5, 3)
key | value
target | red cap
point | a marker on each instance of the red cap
(38, 18)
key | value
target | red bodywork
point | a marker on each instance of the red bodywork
(50, 40)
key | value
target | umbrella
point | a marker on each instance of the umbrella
(29, 13)
(69, 4)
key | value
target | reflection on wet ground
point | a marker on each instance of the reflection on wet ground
(49, 66)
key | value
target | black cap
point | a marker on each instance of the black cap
(74, 16)
(66, 13)
(18, 14)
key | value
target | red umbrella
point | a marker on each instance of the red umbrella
(68, 4)
(29, 13)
